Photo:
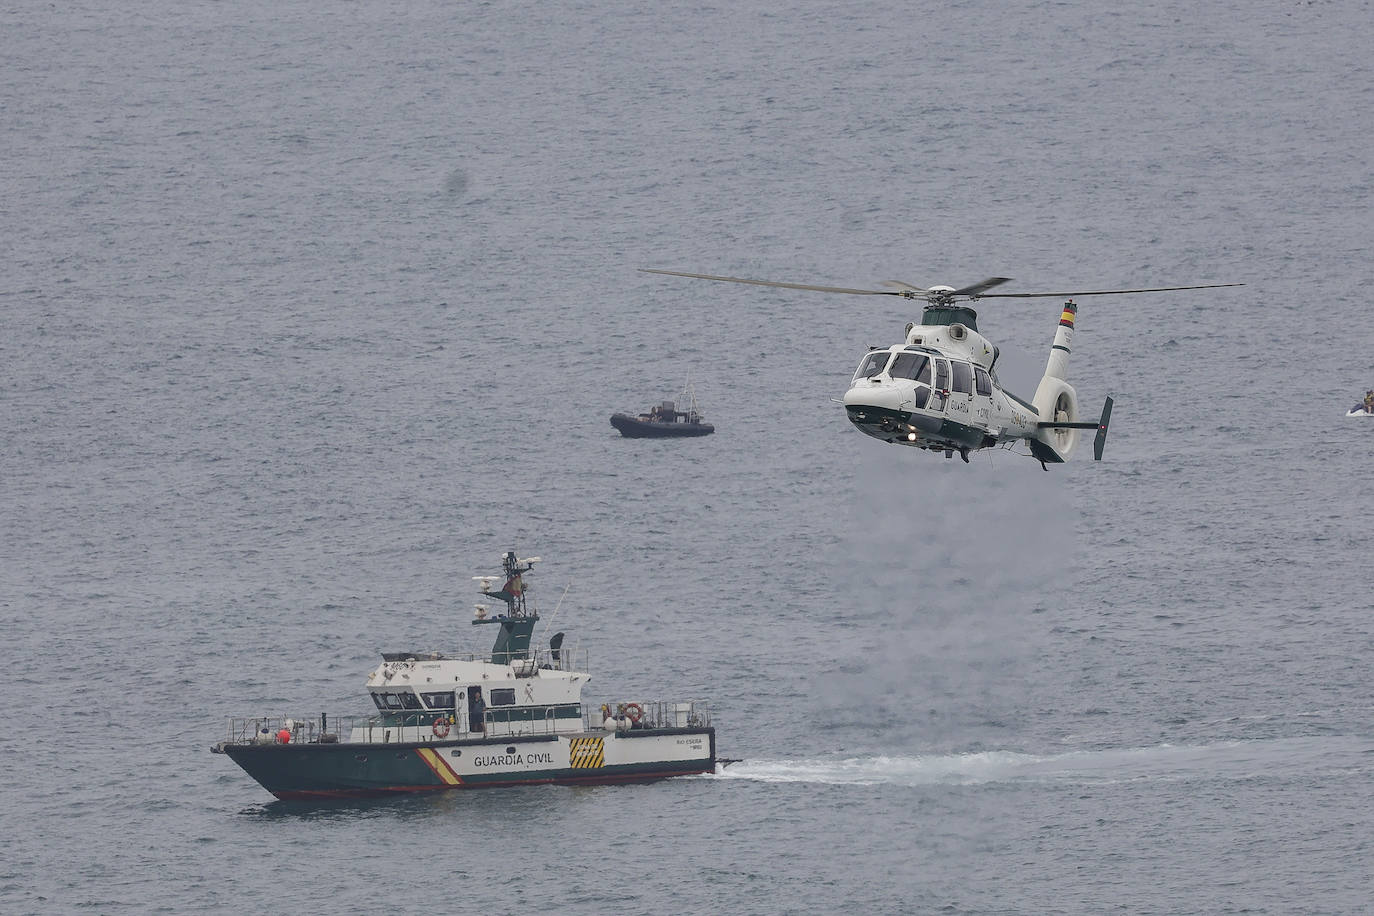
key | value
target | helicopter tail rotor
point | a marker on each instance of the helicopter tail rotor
(1100, 441)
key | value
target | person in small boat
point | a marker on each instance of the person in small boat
(1369, 402)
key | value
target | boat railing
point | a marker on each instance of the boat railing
(327, 729)
(643, 714)
(420, 727)
(323, 729)
(571, 659)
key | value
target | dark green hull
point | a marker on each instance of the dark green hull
(306, 771)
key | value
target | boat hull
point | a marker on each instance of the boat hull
(635, 428)
(356, 770)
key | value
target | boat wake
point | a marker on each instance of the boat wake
(1230, 760)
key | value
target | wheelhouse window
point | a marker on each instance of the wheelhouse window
(377, 698)
(963, 377)
(441, 700)
(873, 363)
(502, 696)
(982, 382)
(410, 701)
(392, 701)
(910, 365)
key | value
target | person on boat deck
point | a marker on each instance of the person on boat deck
(1369, 402)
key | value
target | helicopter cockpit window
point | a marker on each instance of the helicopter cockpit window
(909, 365)
(941, 374)
(981, 381)
(963, 377)
(873, 364)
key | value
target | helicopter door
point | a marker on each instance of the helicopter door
(938, 396)
(961, 390)
(982, 390)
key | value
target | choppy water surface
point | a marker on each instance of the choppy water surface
(309, 313)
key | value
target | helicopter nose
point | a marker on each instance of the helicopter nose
(877, 398)
(877, 410)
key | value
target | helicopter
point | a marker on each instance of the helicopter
(938, 389)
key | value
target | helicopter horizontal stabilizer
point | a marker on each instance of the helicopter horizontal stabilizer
(1100, 441)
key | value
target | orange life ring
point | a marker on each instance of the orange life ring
(440, 728)
(634, 711)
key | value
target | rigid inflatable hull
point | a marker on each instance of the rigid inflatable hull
(634, 428)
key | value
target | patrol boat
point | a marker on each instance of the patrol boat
(513, 717)
(665, 421)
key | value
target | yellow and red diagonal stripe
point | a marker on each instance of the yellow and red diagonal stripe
(439, 765)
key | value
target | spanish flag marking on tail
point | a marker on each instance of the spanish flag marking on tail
(586, 753)
(440, 766)
(1070, 309)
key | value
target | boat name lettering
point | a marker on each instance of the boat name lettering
(511, 760)
(695, 742)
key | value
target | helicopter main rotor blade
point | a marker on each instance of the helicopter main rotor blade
(1104, 292)
(975, 291)
(819, 289)
(903, 285)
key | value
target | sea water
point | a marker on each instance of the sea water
(310, 312)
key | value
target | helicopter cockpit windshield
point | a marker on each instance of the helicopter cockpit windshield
(873, 364)
(914, 366)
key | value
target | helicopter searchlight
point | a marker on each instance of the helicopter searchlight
(937, 390)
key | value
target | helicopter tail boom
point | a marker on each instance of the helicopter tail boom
(1058, 366)
(1055, 400)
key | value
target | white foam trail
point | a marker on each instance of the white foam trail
(1229, 760)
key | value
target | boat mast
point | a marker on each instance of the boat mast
(517, 624)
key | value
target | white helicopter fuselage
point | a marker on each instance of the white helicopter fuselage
(937, 390)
